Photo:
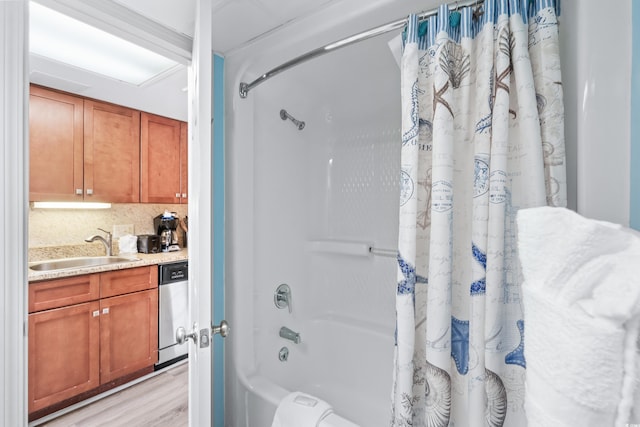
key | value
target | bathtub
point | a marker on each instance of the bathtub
(334, 362)
(302, 204)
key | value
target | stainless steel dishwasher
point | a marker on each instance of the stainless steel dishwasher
(173, 288)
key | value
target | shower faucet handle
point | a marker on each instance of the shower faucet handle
(282, 297)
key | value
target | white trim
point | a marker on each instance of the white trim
(200, 216)
(124, 22)
(14, 195)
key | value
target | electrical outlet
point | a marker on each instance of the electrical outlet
(122, 230)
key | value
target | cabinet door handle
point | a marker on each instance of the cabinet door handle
(105, 310)
(184, 195)
(177, 195)
(89, 191)
(79, 191)
(96, 313)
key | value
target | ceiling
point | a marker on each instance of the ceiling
(234, 24)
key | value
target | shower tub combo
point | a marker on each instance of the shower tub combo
(314, 206)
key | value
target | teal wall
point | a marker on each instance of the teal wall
(218, 238)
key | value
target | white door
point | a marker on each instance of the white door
(200, 220)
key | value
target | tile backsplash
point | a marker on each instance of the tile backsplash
(49, 228)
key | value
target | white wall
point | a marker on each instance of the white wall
(596, 52)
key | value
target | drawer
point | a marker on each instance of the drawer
(122, 282)
(62, 292)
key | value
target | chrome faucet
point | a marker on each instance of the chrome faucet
(288, 334)
(106, 242)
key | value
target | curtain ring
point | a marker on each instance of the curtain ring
(454, 17)
(477, 11)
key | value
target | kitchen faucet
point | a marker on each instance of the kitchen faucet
(106, 242)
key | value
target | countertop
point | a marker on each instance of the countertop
(142, 260)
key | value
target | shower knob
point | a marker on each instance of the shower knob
(282, 297)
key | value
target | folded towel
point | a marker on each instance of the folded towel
(300, 410)
(581, 297)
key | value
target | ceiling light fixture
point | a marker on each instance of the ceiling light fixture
(61, 38)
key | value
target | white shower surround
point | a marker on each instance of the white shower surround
(336, 180)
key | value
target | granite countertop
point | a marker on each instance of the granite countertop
(142, 260)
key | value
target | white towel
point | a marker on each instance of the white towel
(581, 297)
(300, 410)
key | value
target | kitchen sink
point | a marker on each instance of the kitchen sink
(61, 264)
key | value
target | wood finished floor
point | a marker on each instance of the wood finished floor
(157, 402)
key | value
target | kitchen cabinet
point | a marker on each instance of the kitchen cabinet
(86, 332)
(56, 127)
(163, 159)
(119, 282)
(128, 334)
(63, 292)
(184, 163)
(111, 153)
(81, 149)
(64, 351)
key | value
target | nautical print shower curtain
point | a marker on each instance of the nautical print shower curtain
(482, 136)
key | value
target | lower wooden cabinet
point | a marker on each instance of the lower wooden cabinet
(128, 334)
(64, 353)
(90, 342)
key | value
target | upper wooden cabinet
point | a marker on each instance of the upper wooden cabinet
(111, 153)
(184, 162)
(82, 149)
(163, 152)
(56, 146)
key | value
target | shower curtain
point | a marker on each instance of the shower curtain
(482, 136)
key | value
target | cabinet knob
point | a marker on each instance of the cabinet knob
(177, 195)
(89, 191)
(184, 195)
(79, 191)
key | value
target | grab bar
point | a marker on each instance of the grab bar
(346, 247)
(284, 116)
(389, 253)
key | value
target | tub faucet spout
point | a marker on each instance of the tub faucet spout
(288, 334)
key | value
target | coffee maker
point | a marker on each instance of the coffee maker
(166, 226)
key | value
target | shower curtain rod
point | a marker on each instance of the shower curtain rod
(373, 32)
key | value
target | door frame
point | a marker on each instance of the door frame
(14, 195)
